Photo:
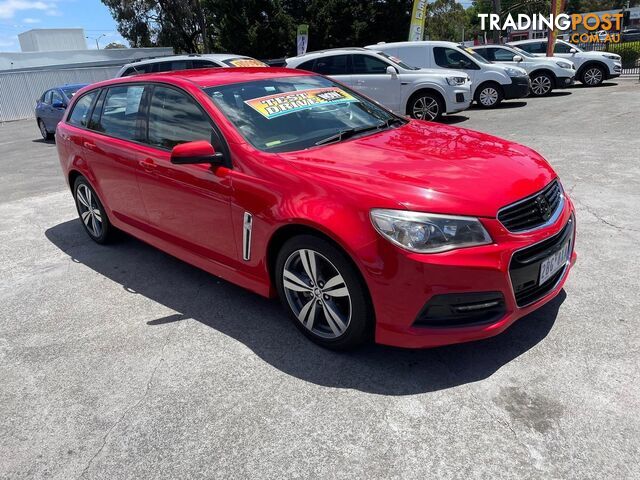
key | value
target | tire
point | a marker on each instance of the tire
(425, 106)
(541, 84)
(489, 95)
(92, 214)
(592, 76)
(43, 131)
(333, 310)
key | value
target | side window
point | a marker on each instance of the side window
(308, 65)
(56, 97)
(47, 97)
(94, 121)
(178, 65)
(502, 55)
(562, 48)
(527, 47)
(203, 64)
(174, 118)
(80, 113)
(536, 47)
(486, 53)
(334, 65)
(120, 112)
(136, 70)
(161, 67)
(368, 65)
(451, 58)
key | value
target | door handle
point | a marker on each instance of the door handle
(89, 145)
(147, 164)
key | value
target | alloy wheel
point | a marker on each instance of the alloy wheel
(593, 76)
(317, 293)
(541, 85)
(89, 210)
(425, 108)
(488, 96)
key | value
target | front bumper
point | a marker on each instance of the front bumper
(458, 99)
(564, 82)
(402, 287)
(518, 88)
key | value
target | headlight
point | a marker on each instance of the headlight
(515, 72)
(453, 81)
(612, 56)
(563, 64)
(428, 232)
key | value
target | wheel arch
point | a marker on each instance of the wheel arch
(426, 89)
(592, 63)
(548, 71)
(479, 88)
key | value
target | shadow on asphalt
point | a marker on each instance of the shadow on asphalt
(582, 85)
(453, 119)
(504, 105)
(262, 325)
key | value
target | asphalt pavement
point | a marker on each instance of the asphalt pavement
(120, 362)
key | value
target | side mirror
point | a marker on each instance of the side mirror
(573, 51)
(392, 71)
(517, 58)
(200, 151)
(59, 105)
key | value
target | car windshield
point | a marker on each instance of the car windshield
(570, 45)
(71, 90)
(398, 62)
(523, 53)
(294, 113)
(476, 56)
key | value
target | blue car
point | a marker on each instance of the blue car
(51, 106)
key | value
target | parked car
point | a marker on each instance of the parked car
(490, 83)
(365, 223)
(404, 89)
(592, 67)
(630, 35)
(51, 105)
(545, 73)
(188, 62)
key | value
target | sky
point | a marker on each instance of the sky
(17, 16)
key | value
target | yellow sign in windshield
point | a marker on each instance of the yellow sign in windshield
(279, 104)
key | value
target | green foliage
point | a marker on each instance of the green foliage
(630, 52)
(447, 20)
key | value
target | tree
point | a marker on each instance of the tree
(114, 45)
(446, 20)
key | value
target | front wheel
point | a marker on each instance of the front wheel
(323, 293)
(541, 84)
(489, 95)
(593, 76)
(43, 131)
(425, 106)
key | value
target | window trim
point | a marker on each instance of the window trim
(226, 151)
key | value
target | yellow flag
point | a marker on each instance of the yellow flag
(418, 17)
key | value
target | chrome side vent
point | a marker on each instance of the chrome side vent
(247, 224)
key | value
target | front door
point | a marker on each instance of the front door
(187, 205)
(369, 75)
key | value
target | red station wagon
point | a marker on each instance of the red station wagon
(365, 224)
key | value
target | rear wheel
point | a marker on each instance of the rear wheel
(426, 106)
(323, 292)
(91, 212)
(593, 76)
(43, 130)
(541, 84)
(489, 95)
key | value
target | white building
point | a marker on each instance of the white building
(52, 39)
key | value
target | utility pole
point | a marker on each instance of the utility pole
(203, 26)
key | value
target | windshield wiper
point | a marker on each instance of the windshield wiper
(350, 132)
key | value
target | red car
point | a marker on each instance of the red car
(366, 224)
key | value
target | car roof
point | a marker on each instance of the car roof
(320, 53)
(531, 40)
(67, 85)
(210, 77)
(210, 56)
(423, 43)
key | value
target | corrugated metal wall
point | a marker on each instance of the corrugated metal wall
(19, 90)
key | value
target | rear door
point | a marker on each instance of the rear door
(112, 142)
(187, 205)
(334, 66)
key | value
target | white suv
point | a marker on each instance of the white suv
(420, 93)
(490, 83)
(545, 73)
(187, 62)
(593, 67)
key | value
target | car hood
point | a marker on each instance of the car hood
(598, 55)
(428, 167)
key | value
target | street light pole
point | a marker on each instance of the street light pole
(97, 39)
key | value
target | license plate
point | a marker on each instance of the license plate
(553, 263)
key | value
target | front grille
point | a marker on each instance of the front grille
(524, 269)
(533, 211)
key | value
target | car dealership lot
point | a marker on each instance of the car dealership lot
(122, 362)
